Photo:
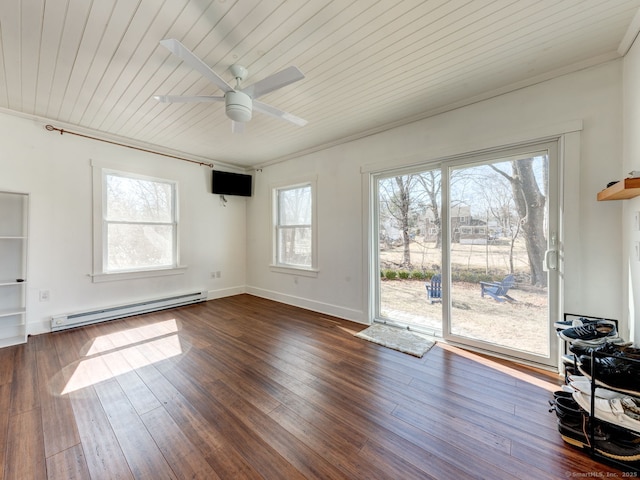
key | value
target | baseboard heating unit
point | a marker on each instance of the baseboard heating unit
(72, 320)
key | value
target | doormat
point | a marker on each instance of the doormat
(397, 339)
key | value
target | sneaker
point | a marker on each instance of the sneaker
(625, 349)
(593, 332)
(577, 322)
(613, 372)
(579, 348)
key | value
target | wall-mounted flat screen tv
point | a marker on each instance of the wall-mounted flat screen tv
(228, 183)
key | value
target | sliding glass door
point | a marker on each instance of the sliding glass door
(485, 227)
(409, 248)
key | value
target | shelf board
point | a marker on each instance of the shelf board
(10, 282)
(624, 189)
(9, 312)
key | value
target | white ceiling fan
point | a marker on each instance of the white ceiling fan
(239, 102)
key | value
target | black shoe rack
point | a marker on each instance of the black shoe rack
(632, 468)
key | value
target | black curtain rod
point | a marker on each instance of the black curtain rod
(51, 128)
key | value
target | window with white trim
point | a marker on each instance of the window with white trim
(136, 224)
(294, 232)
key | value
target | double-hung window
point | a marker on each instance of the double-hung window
(294, 229)
(136, 224)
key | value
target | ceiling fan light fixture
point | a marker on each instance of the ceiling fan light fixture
(238, 106)
(238, 100)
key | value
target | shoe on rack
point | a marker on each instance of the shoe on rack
(631, 407)
(628, 351)
(606, 442)
(580, 432)
(584, 386)
(625, 349)
(568, 412)
(596, 332)
(561, 394)
(613, 372)
(609, 410)
(618, 449)
(579, 348)
(577, 322)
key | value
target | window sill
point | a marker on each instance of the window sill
(160, 272)
(289, 270)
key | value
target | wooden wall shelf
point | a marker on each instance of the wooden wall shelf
(624, 189)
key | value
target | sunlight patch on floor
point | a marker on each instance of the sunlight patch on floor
(516, 373)
(124, 351)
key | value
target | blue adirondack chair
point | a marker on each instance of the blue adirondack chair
(498, 290)
(434, 289)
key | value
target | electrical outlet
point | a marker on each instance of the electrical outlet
(218, 274)
(213, 274)
(44, 295)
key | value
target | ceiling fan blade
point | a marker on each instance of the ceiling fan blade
(237, 127)
(188, 57)
(273, 82)
(275, 112)
(179, 99)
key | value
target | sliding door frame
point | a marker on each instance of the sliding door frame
(552, 259)
(554, 146)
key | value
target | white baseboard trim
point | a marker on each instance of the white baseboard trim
(225, 292)
(44, 325)
(320, 307)
(38, 328)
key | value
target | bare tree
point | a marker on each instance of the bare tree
(531, 206)
(396, 204)
(498, 198)
(431, 185)
(404, 204)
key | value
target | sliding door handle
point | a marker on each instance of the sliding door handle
(550, 260)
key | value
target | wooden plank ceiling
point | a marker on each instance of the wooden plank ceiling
(96, 64)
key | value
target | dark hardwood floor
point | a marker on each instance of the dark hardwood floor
(243, 387)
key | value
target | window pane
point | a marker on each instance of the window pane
(137, 200)
(294, 206)
(294, 246)
(139, 246)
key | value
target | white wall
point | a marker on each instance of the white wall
(630, 265)
(55, 170)
(593, 256)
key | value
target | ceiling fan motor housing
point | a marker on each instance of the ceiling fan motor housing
(238, 106)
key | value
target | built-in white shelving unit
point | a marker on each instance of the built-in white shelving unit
(14, 210)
